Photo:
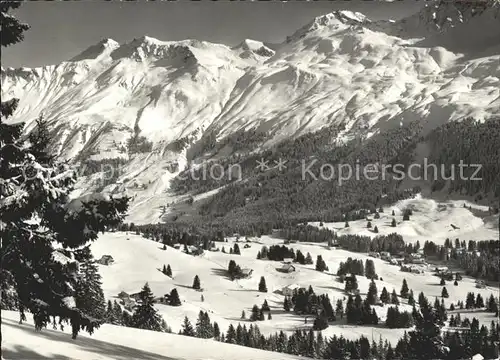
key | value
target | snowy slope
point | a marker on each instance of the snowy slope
(138, 260)
(114, 342)
(341, 68)
(431, 220)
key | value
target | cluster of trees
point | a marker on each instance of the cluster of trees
(167, 270)
(479, 259)
(471, 142)
(392, 243)
(258, 314)
(320, 264)
(137, 144)
(425, 342)
(303, 260)
(484, 265)
(234, 270)
(287, 195)
(306, 302)
(398, 319)
(360, 312)
(276, 253)
(142, 316)
(475, 340)
(351, 266)
(307, 233)
(204, 329)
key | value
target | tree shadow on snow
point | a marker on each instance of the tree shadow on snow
(220, 272)
(20, 352)
(59, 339)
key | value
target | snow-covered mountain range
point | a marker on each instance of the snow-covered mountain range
(441, 64)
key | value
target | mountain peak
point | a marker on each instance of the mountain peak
(253, 46)
(443, 15)
(339, 18)
(105, 46)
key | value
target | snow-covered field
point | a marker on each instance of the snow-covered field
(110, 342)
(431, 220)
(138, 260)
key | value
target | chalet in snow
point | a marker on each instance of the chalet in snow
(106, 260)
(246, 272)
(286, 268)
(289, 290)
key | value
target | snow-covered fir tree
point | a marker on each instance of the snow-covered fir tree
(145, 315)
(41, 227)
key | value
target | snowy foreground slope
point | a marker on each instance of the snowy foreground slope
(114, 342)
(340, 69)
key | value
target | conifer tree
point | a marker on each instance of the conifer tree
(370, 272)
(269, 317)
(371, 297)
(164, 270)
(384, 296)
(243, 315)
(404, 289)
(89, 297)
(37, 216)
(393, 223)
(231, 335)
(394, 297)
(262, 285)
(255, 313)
(411, 299)
(196, 283)
(145, 315)
(168, 271)
(444, 293)
(479, 301)
(110, 314)
(265, 306)
(236, 249)
(339, 308)
(216, 331)
(375, 229)
(204, 327)
(492, 304)
(309, 259)
(320, 264)
(187, 328)
(118, 313)
(174, 299)
(425, 342)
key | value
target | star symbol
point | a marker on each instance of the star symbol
(280, 164)
(262, 165)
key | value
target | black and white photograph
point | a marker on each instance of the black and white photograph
(250, 180)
